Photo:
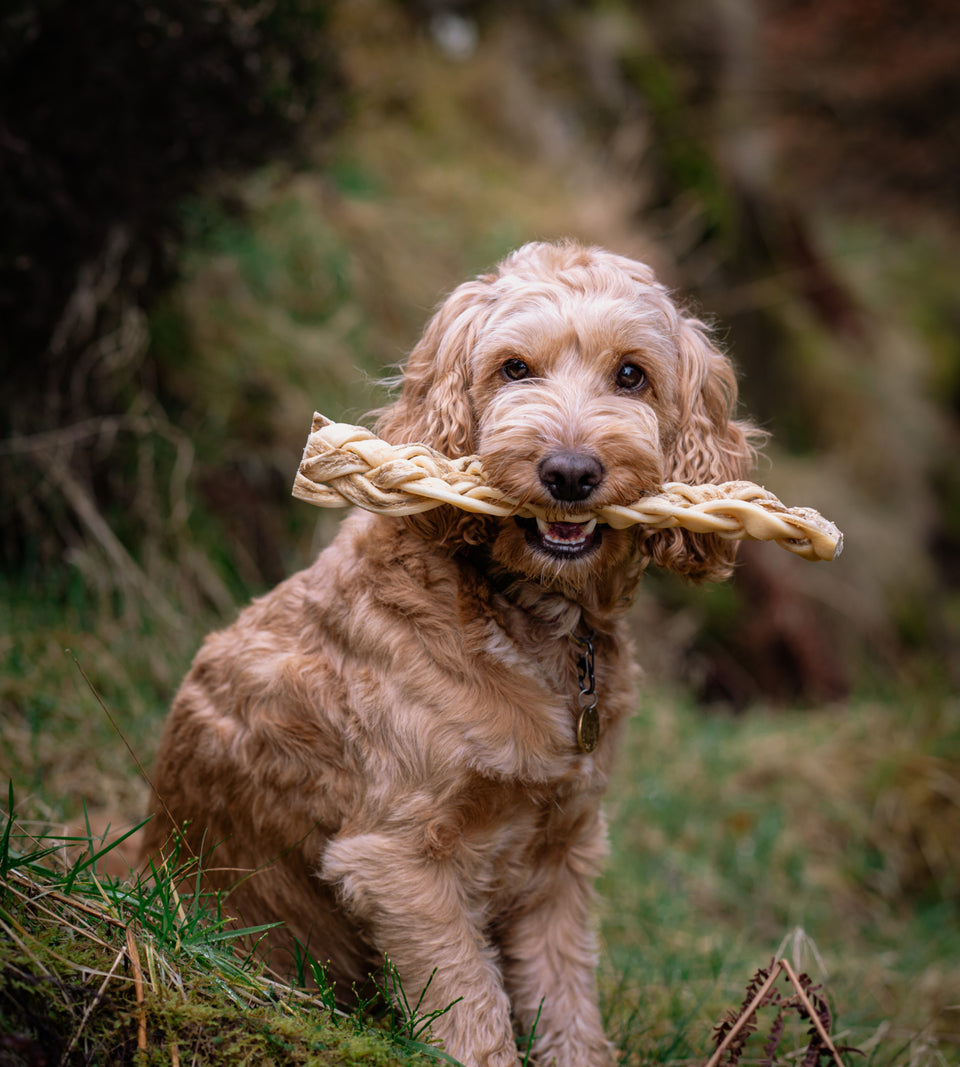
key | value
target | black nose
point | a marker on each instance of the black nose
(570, 475)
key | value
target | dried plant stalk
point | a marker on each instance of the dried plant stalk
(344, 465)
(732, 1033)
(134, 956)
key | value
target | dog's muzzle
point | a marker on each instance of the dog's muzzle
(570, 478)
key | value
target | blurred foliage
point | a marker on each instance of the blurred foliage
(114, 113)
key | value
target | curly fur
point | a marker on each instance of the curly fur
(382, 750)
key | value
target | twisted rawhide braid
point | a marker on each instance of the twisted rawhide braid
(344, 465)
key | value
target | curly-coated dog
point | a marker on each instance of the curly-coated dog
(395, 751)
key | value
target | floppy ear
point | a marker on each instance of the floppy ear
(709, 446)
(434, 404)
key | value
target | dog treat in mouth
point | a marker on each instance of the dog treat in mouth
(347, 465)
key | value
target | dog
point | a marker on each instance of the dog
(401, 751)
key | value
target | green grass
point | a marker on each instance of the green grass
(95, 968)
(791, 833)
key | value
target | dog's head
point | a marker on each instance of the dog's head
(580, 384)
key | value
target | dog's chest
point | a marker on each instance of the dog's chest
(537, 691)
(501, 833)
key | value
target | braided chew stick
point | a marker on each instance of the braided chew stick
(345, 465)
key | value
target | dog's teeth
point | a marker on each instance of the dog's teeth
(565, 533)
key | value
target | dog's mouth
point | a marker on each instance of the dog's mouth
(562, 540)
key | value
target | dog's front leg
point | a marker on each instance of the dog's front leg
(415, 908)
(549, 957)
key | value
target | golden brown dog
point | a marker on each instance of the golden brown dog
(389, 739)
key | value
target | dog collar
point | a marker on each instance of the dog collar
(588, 721)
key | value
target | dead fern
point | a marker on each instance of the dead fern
(735, 1029)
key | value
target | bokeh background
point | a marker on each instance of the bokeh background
(221, 215)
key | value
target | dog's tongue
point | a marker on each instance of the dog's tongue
(565, 531)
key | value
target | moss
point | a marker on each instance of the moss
(67, 993)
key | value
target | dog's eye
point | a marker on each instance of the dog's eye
(515, 369)
(631, 377)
